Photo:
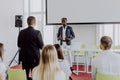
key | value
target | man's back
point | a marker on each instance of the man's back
(30, 41)
(107, 63)
(28, 38)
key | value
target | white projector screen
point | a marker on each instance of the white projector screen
(83, 11)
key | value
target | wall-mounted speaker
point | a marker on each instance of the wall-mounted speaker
(18, 20)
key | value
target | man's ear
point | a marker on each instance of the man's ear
(102, 46)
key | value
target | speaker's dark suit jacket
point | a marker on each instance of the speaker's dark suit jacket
(69, 34)
(30, 42)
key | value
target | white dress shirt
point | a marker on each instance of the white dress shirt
(64, 32)
(106, 63)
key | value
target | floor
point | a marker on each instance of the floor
(81, 76)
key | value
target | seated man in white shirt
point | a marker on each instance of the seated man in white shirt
(108, 62)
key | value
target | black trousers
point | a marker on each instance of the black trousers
(27, 73)
(28, 68)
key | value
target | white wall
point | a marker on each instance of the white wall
(8, 31)
(85, 34)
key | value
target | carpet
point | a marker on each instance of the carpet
(81, 76)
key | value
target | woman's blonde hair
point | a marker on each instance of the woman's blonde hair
(48, 64)
(1, 51)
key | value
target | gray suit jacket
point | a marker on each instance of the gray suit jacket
(69, 34)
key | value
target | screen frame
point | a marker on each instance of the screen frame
(75, 23)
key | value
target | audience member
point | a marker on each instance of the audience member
(48, 68)
(64, 64)
(108, 62)
(30, 42)
(3, 68)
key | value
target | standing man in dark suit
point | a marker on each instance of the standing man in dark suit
(65, 35)
(30, 42)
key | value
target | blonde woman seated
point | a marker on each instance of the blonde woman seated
(64, 64)
(107, 63)
(3, 68)
(48, 69)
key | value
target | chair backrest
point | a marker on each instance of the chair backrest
(19, 66)
(16, 74)
(82, 46)
(67, 77)
(75, 45)
(96, 54)
(107, 77)
(96, 47)
(82, 53)
(116, 47)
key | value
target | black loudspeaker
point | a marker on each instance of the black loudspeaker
(18, 20)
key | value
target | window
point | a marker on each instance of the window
(36, 5)
(112, 30)
(37, 8)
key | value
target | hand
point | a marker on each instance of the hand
(2, 76)
(67, 39)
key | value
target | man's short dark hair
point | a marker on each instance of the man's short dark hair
(64, 18)
(31, 20)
